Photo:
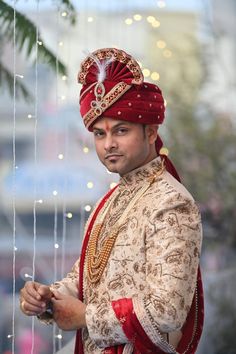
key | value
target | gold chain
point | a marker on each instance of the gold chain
(97, 260)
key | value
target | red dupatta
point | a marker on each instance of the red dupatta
(123, 308)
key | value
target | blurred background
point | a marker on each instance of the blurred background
(50, 177)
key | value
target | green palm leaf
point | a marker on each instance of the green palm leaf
(26, 36)
(7, 79)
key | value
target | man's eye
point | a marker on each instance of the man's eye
(98, 134)
(121, 131)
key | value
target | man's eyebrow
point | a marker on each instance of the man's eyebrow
(96, 128)
(114, 126)
(119, 124)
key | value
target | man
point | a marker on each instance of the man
(139, 285)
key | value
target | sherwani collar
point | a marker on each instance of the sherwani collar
(141, 174)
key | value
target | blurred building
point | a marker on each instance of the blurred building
(219, 31)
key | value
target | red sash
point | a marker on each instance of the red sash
(191, 331)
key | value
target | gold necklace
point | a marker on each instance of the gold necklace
(97, 260)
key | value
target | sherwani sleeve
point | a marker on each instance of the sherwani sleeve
(172, 238)
(69, 284)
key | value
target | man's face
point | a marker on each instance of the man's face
(123, 146)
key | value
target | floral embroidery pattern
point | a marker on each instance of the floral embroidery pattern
(154, 261)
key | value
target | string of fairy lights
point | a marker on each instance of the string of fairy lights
(55, 191)
(160, 44)
(14, 248)
(64, 157)
(35, 167)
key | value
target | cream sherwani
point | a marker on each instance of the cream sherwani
(154, 261)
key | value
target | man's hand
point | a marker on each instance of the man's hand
(34, 297)
(68, 312)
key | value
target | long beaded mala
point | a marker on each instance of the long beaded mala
(97, 260)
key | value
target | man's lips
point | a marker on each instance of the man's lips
(112, 156)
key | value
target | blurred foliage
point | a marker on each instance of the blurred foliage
(204, 151)
(17, 29)
(223, 340)
(6, 78)
(202, 142)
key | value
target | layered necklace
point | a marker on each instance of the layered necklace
(97, 259)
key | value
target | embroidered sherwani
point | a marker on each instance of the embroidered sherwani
(153, 264)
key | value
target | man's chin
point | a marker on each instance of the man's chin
(112, 168)
(116, 167)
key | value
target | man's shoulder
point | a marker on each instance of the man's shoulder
(167, 187)
(167, 194)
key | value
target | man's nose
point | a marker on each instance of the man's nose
(110, 142)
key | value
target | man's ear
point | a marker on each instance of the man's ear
(151, 131)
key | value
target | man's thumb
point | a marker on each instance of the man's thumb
(45, 292)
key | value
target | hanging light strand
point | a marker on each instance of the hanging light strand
(35, 167)
(55, 192)
(35, 146)
(65, 188)
(12, 335)
(55, 264)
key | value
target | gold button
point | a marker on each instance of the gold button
(164, 151)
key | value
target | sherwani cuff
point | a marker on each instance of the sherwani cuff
(140, 334)
(149, 326)
(103, 326)
(66, 288)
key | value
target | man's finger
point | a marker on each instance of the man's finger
(31, 289)
(30, 309)
(22, 305)
(45, 292)
(29, 295)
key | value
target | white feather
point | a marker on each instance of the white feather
(102, 66)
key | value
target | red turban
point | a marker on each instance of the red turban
(113, 86)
